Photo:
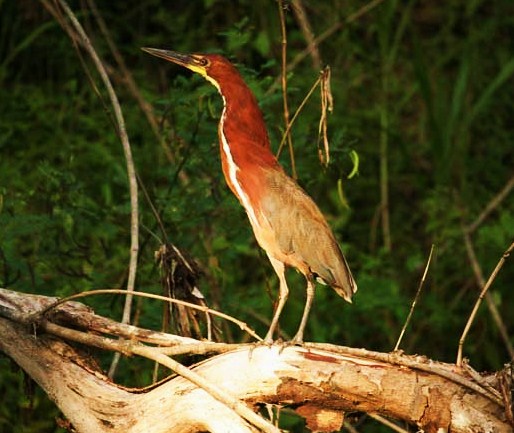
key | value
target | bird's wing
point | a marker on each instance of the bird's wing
(303, 234)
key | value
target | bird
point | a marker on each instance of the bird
(286, 222)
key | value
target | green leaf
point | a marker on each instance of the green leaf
(485, 98)
(354, 156)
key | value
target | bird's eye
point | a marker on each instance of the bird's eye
(203, 61)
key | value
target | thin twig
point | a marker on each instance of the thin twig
(297, 112)
(387, 423)
(131, 172)
(305, 27)
(491, 206)
(349, 427)
(202, 348)
(283, 75)
(170, 344)
(132, 87)
(493, 309)
(418, 293)
(219, 394)
(208, 310)
(384, 146)
(326, 34)
(78, 42)
(56, 13)
(154, 210)
(482, 380)
(473, 314)
(420, 363)
(153, 353)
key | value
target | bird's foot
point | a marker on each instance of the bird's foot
(297, 340)
(280, 343)
(268, 341)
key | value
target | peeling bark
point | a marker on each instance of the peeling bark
(320, 384)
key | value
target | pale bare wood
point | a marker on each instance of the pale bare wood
(77, 33)
(312, 379)
(205, 309)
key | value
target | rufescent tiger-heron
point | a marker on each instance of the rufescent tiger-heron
(285, 220)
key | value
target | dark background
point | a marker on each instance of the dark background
(423, 94)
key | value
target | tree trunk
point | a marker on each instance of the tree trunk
(320, 382)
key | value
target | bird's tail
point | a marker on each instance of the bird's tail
(345, 285)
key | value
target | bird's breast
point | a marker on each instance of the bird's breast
(245, 157)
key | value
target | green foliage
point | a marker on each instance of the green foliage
(427, 84)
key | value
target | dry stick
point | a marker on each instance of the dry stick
(506, 392)
(326, 34)
(154, 211)
(385, 68)
(128, 348)
(78, 36)
(297, 112)
(214, 391)
(493, 309)
(128, 79)
(417, 363)
(334, 28)
(387, 423)
(152, 353)
(492, 205)
(418, 293)
(122, 133)
(77, 41)
(482, 380)
(349, 427)
(327, 104)
(473, 314)
(206, 310)
(201, 348)
(283, 76)
(305, 27)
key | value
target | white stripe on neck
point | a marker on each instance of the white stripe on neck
(233, 168)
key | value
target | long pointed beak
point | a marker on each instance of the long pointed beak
(194, 62)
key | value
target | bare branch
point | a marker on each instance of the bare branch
(493, 309)
(326, 34)
(131, 172)
(283, 77)
(295, 115)
(388, 423)
(485, 288)
(414, 302)
(305, 27)
(128, 80)
(492, 205)
(204, 309)
(317, 380)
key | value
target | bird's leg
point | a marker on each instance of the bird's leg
(298, 338)
(282, 296)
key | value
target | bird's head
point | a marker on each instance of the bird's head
(215, 68)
